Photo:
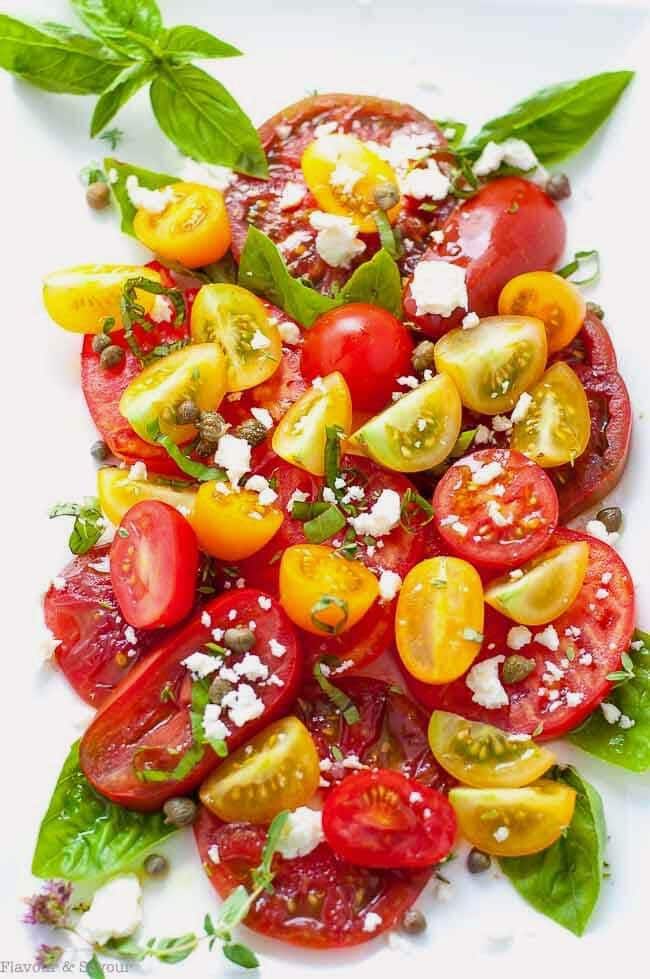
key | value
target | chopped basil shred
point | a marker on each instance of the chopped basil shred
(323, 526)
(324, 603)
(332, 458)
(133, 314)
(88, 524)
(197, 470)
(589, 258)
(345, 705)
(415, 512)
(386, 234)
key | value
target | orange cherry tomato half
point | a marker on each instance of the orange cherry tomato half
(193, 229)
(232, 526)
(550, 298)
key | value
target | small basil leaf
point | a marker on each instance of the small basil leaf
(146, 178)
(118, 93)
(376, 282)
(201, 117)
(94, 968)
(127, 26)
(241, 955)
(185, 43)
(325, 525)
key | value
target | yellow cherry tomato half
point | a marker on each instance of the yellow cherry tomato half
(550, 298)
(232, 525)
(348, 178)
(277, 769)
(197, 373)
(80, 299)
(193, 229)
(549, 586)
(514, 822)
(484, 756)
(494, 362)
(301, 434)
(557, 424)
(237, 320)
(118, 492)
(417, 432)
(439, 619)
(323, 592)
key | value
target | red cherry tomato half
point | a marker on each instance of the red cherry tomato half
(510, 226)
(154, 563)
(145, 725)
(358, 646)
(592, 636)
(368, 345)
(317, 901)
(503, 522)
(383, 819)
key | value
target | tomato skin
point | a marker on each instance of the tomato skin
(193, 229)
(358, 646)
(375, 819)
(135, 717)
(318, 901)
(509, 227)
(368, 345)
(592, 347)
(154, 564)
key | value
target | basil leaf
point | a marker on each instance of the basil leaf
(386, 234)
(325, 525)
(56, 59)
(557, 121)
(127, 83)
(94, 968)
(146, 178)
(184, 43)
(563, 881)
(376, 282)
(339, 698)
(332, 455)
(201, 117)
(629, 748)
(88, 525)
(127, 26)
(459, 130)
(241, 955)
(85, 837)
(263, 271)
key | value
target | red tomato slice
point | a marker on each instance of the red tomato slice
(277, 394)
(358, 646)
(383, 819)
(154, 564)
(510, 226)
(597, 471)
(318, 901)
(500, 524)
(146, 724)
(599, 627)
(94, 652)
(592, 347)
(391, 731)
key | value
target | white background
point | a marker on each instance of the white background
(469, 62)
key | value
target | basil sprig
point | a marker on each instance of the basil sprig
(88, 524)
(131, 49)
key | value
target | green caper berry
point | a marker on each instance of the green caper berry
(413, 922)
(218, 690)
(211, 426)
(99, 451)
(558, 187)
(251, 430)
(596, 310)
(100, 342)
(187, 412)
(478, 862)
(239, 639)
(422, 357)
(611, 517)
(517, 668)
(180, 811)
(98, 195)
(112, 356)
(386, 196)
(156, 865)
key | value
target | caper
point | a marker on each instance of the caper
(218, 690)
(239, 639)
(478, 862)
(252, 430)
(517, 668)
(99, 451)
(386, 196)
(204, 449)
(211, 426)
(422, 357)
(180, 811)
(100, 342)
(558, 187)
(612, 517)
(98, 195)
(413, 922)
(596, 310)
(112, 356)
(187, 412)
(156, 865)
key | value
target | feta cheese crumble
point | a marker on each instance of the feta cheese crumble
(209, 174)
(234, 454)
(291, 196)
(213, 726)
(154, 201)
(302, 833)
(137, 471)
(484, 682)
(389, 585)
(428, 181)
(243, 705)
(513, 152)
(201, 665)
(263, 416)
(344, 177)
(372, 921)
(438, 287)
(115, 911)
(518, 637)
(336, 241)
(381, 518)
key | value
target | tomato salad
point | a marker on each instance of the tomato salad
(325, 599)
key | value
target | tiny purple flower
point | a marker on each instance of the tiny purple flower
(50, 906)
(47, 956)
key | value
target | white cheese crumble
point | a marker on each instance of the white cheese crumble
(291, 196)
(243, 705)
(598, 529)
(302, 833)
(251, 667)
(372, 921)
(518, 637)
(259, 341)
(438, 287)
(470, 321)
(137, 471)
(115, 911)
(389, 585)
(520, 410)
(154, 201)
(161, 310)
(206, 619)
(213, 726)
(427, 181)
(278, 649)
(487, 473)
(381, 518)
(234, 455)
(209, 174)
(484, 682)
(263, 416)
(501, 834)
(201, 665)
(298, 496)
(344, 177)
(290, 332)
(513, 152)
(549, 638)
(336, 241)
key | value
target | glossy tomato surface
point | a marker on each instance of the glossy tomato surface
(146, 724)
(595, 632)
(317, 901)
(592, 347)
(358, 646)
(276, 395)
(510, 226)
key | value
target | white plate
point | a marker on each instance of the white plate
(468, 63)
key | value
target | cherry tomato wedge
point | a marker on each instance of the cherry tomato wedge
(495, 508)
(118, 491)
(145, 726)
(317, 901)
(383, 819)
(193, 228)
(231, 525)
(556, 427)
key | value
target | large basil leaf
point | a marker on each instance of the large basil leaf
(127, 83)
(201, 117)
(563, 881)
(630, 747)
(377, 282)
(184, 43)
(85, 837)
(559, 120)
(56, 59)
(146, 178)
(128, 26)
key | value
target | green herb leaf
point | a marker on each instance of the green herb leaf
(127, 83)
(459, 128)
(184, 43)
(323, 603)
(172, 950)
(94, 968)
(377, 282)
(339, 698)
(56, 59)
(195, 469)
(630, 747)
(88, 525)
(241, 955)
(201, 117)
(386, 234)
(262, 875)
(557, 121)
(188, 762)
(563, 882)
(146, 178)
(128, 26)
(415, 512)
(325, 525)
(332, 455)
(234, 909)
(580, 259)
(85, 837)
(112, 137)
